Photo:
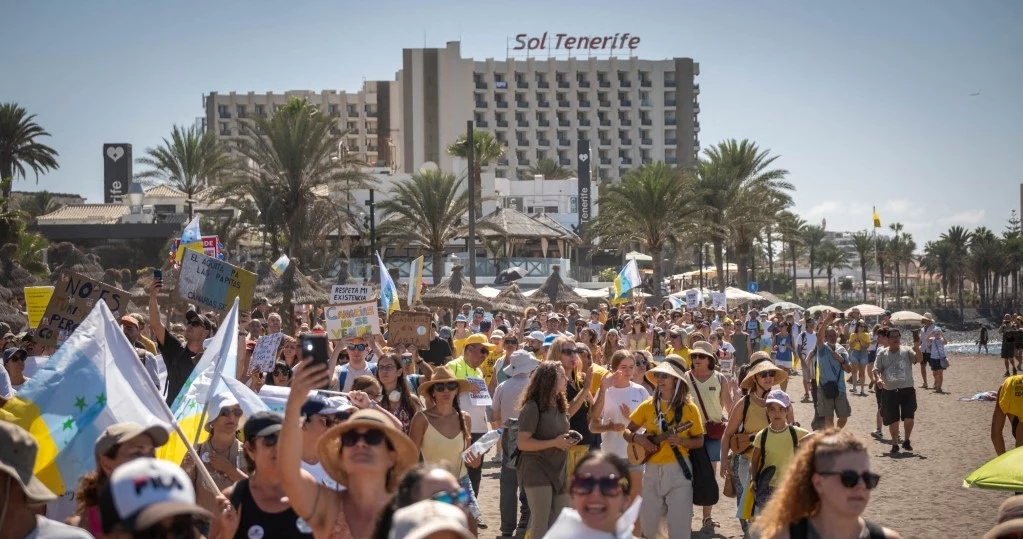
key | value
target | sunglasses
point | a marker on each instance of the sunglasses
(850, 478)
(661, 376)
(269, 440)
(511, 342)
(196, 324)
(474, 348)
(17, 357)
(459, 498)
(610, 485)
(768, 374)
(237, 412)
(359, 347)
(371, 437)
(568, 351)
(445, 386)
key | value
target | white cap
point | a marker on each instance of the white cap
(536, 336)
(218, 403)
(145, 491)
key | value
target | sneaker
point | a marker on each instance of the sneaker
(895, 449)
(863, 392)
(1006, 373)
(907, 446)
(480, 524)
(877, 434)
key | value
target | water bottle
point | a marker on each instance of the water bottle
(484, 444)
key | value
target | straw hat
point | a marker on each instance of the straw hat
(702, 348)
(762, 363)
(928, 316)
(672, 366)
(17, 459)
(440, 375)
(329, 446)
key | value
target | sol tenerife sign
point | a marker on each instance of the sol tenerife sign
(568, 42)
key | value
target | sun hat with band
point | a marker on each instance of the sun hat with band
(18, 459)
(443, 375)
(761, 362)
(673, 365)
(144, 492)
(702, 348)
(329, 447)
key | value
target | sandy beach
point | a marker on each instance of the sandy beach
(921, 493)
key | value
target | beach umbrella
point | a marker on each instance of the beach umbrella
(511, 274)
(1004, 472)
(304, 289)
(785, 306)
(554, 290)
(488, 291)
(866, 309)
(455, 290)
(819, 308)
(907, 318)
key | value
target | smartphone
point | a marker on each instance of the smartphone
(314, 346)
(574, 435)
(158, 274)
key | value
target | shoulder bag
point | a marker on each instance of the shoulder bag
(714, 429)
(830, 389)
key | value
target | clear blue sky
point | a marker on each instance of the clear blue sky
(867, 103)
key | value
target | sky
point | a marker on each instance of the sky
(866, 103)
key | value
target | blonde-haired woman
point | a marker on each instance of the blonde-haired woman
(578, 394)
(824, 493)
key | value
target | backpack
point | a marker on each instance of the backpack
(344, 375)
(764, 476)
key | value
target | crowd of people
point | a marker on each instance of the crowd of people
(617, 422)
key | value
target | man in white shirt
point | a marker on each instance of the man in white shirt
(505, 409)
(806, 343)
(925, 336)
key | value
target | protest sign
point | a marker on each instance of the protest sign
(479, 395)
(352, 320)
(264, 355)
(213, 284)
(692, 299)
(36, 299)
(209, 245)
(350, 293)
(726, 366)
(73, 298)
(718, 299)
(408, 328)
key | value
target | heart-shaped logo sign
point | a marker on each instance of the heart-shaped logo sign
(115, 153)
(582, 157)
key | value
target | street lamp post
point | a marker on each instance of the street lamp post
(469, 146)
(371, 203)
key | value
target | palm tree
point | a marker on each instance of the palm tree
(831, 257)
(791, 228)
(937, 260)
(428, 209)
(863, 244)
(881, 252)
(38, 203)
(190, 161)
(813, 236)
(958, 239)
(485, 150)
(20, 147)
(652, 205)
(734, 181)
(550, 170)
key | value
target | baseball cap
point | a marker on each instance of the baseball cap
(428, 517)
(145, 491)
(485, 325)
(778, 397)
(445, 332)
(218, 403)
(548, 340)
(129, 320)
(119, 433)
(192, 315)
(319, 405)
(262, 424)
(536, 336)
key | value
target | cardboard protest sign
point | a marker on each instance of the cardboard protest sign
(693, 298)
(36, 300)
(352, 320)
(264, 355)
(213, 284)
(73, 297)
(408, 328)
(718, 299)
(350, 293)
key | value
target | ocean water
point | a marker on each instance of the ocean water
(994, 348)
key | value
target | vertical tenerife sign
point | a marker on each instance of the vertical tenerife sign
(116, 171)
(585, 190)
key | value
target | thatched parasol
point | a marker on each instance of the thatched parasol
(454, 291)
(13, 317)
(66, 256)
(511, 299)
(555, 291)
(303, 289)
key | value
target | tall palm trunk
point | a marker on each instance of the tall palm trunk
(813, 288)
(656, 253)
(719, 261)
(438, 265)
(795, 288)
(863, 275)
(770, 263)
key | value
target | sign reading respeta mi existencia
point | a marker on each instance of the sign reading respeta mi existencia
(575, 43)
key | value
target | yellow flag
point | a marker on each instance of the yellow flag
(877, 219)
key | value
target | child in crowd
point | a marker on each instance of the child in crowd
(773, 448)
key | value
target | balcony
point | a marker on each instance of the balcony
(501, 85)
(625, 122)
(584, 122)
(522, 85)
(605, 160)
(564, 142)
(543, 84)
(333, 114)
(670, 141)
(670, 121)
(604, 104)
(480, 85)
(646, 142)
(625, 142)
(501, 104)
(522, 123)
(521, 142)
(562, 122)
(696, 108)
(353, 113)
(224, 115)
(646, 103)
(371, 114)
(543, 104)
(502, 123)
(352, 131)
(502, 162)
(622, 83)
(696, 143)
(545, 143)
(605, 142)
(522, 104)
(564, 84)
(564, 104)
(625, 103)
(646, 160)
(625, 160)
(584, 83)
(543, 123)
(696, 127)
(524, 162)
(604, 84)
(483, 123)
(371, 131)
(646, 83)
(669, 83)
(669, 103)
(646, 121)
(481, 104)
(584, 104)
(696, 89)
(371, 149)
(605, 122)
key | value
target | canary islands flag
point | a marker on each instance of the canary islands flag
(415, 280)
(93, 381)
(626, 280)
(388, 291)
(280, 265)
(877, 219)
(220, 356)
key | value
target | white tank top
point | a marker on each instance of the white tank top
(710, 391)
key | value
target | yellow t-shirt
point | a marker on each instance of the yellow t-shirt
(459, 346)
(859, 341)
(488, 364)
(779, 451)
(598, 374)
(683, 353)
(646, 416)
(1010, 397)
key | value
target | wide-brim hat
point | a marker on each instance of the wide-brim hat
(18, 451)
(763, 364)
(441, 375)
(702, 348)
(329, 447)
(927, 316)
(672, 366)
(521, 362)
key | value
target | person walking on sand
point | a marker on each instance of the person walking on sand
(1008, 332)
(925, 337)
(894, 370)
(938, 360)
(982, 341)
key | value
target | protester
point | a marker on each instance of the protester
(288, 352)
(399, 398)
(1009, 405)
(825, 492)
(506, 398)
(708, 386)
(619, 396)
(149, 498)
(667, 492)
(773, 448)
(366, 454)
(424, 482)
(936, 357)
(643, 361)
(440, 351)
(783, 345)
(6, 389)
(118, 444)
(131, 328)
(509, 345)
(318, 414)
(578, 395)
(894, 369)
(180, 358)
(806, 345)
(832, 362)
(344, 375)
(22, 492)
(599, 493)
(14, 364)
(221, 454)
(430, 519)
(543, 441)
(441, 431)
(611, 345)
(280, 376)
